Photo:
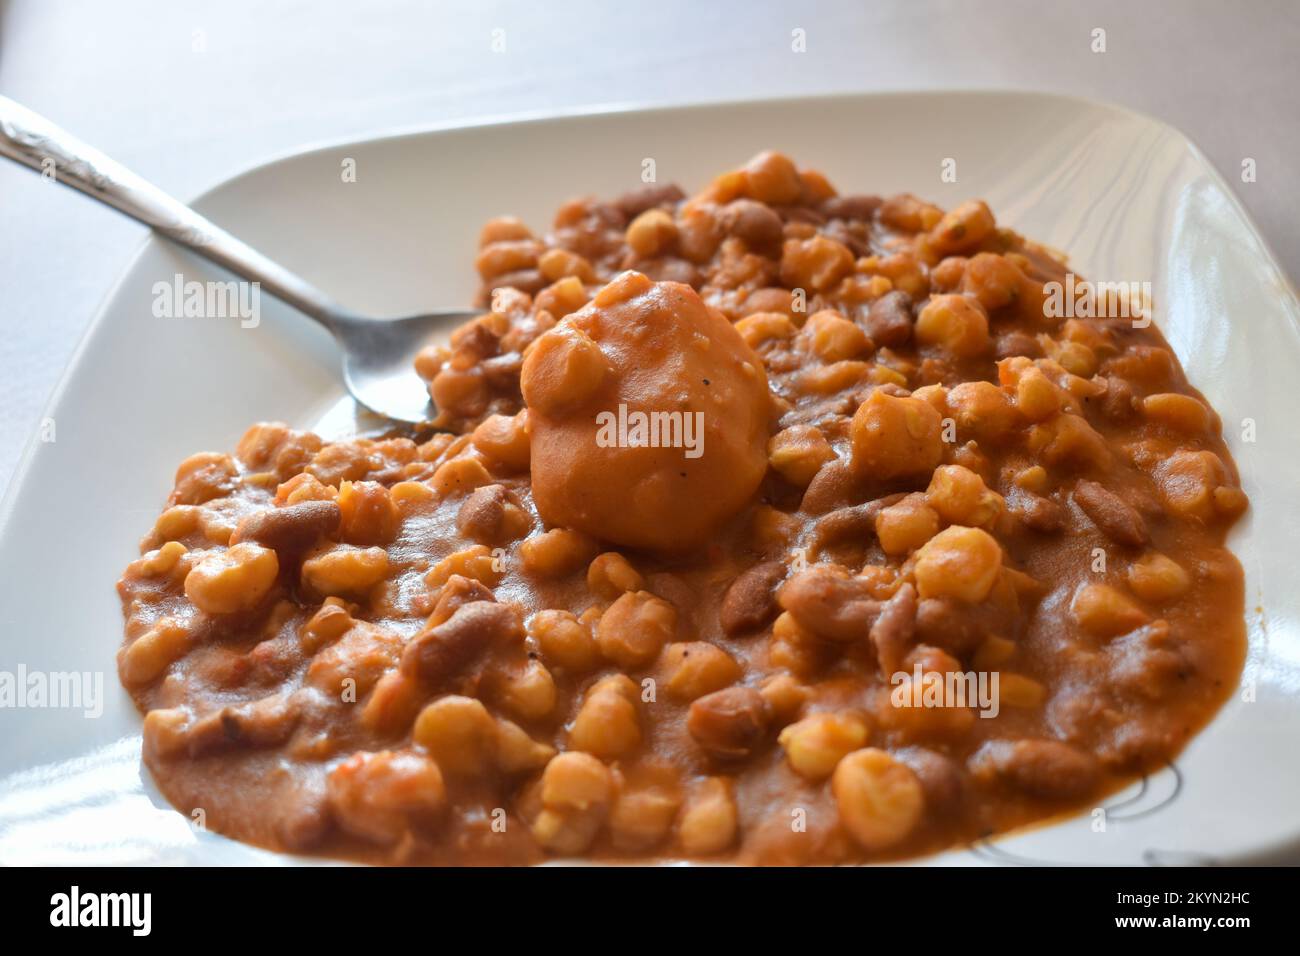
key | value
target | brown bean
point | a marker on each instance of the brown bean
(851, 207)
(490, 515)
(442, 652)
(853, 521)
(1011, 344)
(1037, 513)
(753, 222)
(832, 605)
(1042, 768)
(731, 723)
(942, 779)
(636, 201)
(895, 629)
(889, 319)
(1112, 515)
(951, 625)
(458, 591)
(256, 725)
(292, 530)
(832, 487)
(750, 602)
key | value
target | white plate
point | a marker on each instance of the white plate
(1129, 198)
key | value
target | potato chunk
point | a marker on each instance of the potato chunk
(648, 417)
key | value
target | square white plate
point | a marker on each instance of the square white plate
(1129, 198)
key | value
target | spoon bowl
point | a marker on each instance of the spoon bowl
(378, 354)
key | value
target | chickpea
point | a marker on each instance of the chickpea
(642, 817)
(957, 323)
(176, 522)
(635, 628)
(961, 563)
(557, 552)
(502, 229)
(610, 575)
(164, 561)
(339, 462)
(565, 367)
(1158, 579)
(459, 734)
(506, 256)
(906, 526)
(393, 704)
(907, 213)
(696, 668)
(304, 487)
(235, 579)
(894, 437)
(343, 570)
(651, 234)
(708, 822)
(786, 697)
(961, 497)
(503, 440)
(459, 476)
(476, 563)
(459, 391)
(834, 338)
(1076, 358)
(984, 411)
(816, 744)
(1104, 611)
(326, 626)
(771, 178)
(562, 298)
(1179, 412)
(797, 453)
(794, 647)
(1036, 397)
(369, 515)
(577, 781)
(995, 281)
(949, 273)
(1187, 481)
(556, 264)
(519, 753)
(880, 799)
(528, 693)
(759, 327)
(146, 658)
(564, 640)
(963, 228)
(608, 724)
(771, 529)
(203, 477)
(816, 264)
(164, 732)
(565, 831)
(1016, 690)
(380, 796)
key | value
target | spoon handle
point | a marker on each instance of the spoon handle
(34, 141)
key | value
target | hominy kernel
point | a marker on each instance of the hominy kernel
(235, 579)
(459, 734)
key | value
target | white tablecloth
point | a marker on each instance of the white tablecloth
(187, 93)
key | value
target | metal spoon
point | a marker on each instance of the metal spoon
(377, 353)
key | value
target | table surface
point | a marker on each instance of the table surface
(188, 93)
